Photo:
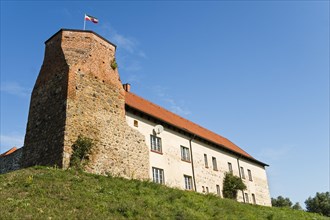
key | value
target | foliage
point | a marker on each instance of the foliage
(319, 204)
(114, 64)
(231, 184)
(280, 201)
(296, 206)
(67, 194)
(80, 150)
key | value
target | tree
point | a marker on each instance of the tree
(231, 184)
(319, 204)
(280, 201)
(296, 206)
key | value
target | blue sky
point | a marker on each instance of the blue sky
(255, 72)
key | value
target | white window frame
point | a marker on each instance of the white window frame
(155, 143)
(188, 182)
(158, 175)
(185, 153)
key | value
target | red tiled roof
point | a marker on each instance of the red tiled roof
(158, 112)
(12, 150)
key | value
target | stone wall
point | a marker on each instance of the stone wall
(78, 93)
(11, 162)
(47, 115)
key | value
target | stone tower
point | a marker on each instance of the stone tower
(77, 93)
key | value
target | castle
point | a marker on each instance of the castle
(78, 92)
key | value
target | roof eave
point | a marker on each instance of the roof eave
(189, 132)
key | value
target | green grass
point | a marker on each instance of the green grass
(49, 193)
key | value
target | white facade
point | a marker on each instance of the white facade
(177, 172)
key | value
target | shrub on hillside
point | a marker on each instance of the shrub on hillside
(231, 184)
(280, 201)
(80, 151)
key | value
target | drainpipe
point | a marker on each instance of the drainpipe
(192, 162)
(240, 175)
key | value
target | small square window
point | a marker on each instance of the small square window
(136, 123)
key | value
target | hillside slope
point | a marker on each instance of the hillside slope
(49, 193)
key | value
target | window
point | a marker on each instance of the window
(207, 189)
(230, 167)
(185, 155)
(214, 163)
(203, 189)
(242, 173)
(254, 199)
(250, 175)
(136, 123)
(156, 143)
(188, 182)
(205, 161)
(158, 175)
(218, 190)
(246, 198)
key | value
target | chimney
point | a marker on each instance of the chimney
(127, 87)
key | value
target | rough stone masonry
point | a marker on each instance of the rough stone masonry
(77, 93)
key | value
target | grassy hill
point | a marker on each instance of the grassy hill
(49, 193)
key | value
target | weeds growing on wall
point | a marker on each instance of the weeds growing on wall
(114, 64)
(81, 149)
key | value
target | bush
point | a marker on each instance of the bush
(81, 149)
(231, 184)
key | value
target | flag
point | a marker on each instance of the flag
(91, 18)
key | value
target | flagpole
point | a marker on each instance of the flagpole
(84, 21)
